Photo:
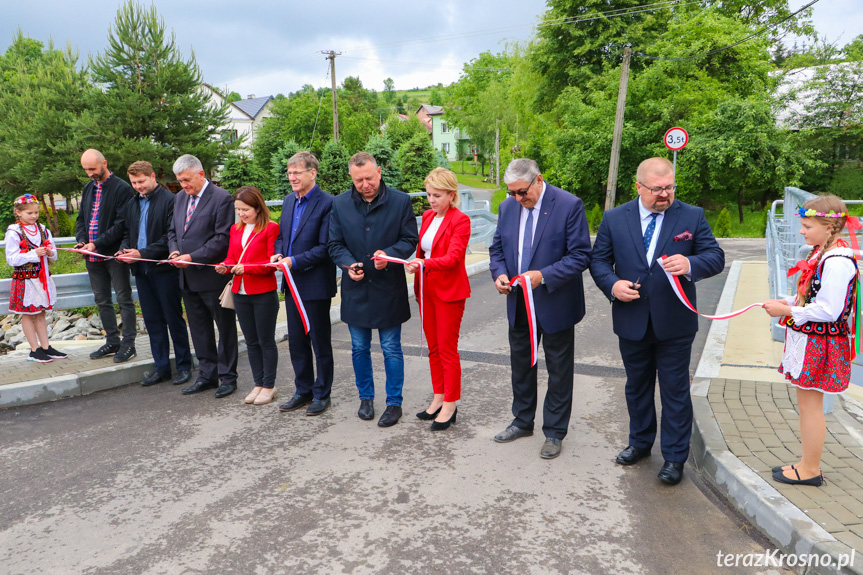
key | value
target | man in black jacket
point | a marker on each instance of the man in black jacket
(101, 203)
(147, 219)
(368, 220)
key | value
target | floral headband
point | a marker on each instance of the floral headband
(26, 199)
(810, 213)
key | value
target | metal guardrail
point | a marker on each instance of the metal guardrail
(73, 290)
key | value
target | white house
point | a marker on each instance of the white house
(245, 116)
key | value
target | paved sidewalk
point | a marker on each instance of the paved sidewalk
(747, 422)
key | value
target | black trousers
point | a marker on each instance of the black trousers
(670, 358)
(103, 276)
(159, 294)
(559, 359)
(257, 314)
(216, 364)
(301, 345)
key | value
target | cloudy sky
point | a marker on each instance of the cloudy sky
(267, 47)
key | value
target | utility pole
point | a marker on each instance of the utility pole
(331, 56)
(613, 165)
(497, 154)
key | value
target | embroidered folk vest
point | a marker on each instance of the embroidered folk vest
(832, 328)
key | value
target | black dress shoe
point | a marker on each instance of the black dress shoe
(155, 378)
(391, 416)
(105, 350)
(366, 410)
(813, 481)
(779, 468)
(551, 448)
(181, 377)
(426, 416)
(512, 433)
(125, 353)
(631, 455)
(296, 402)
(225, 390)
(671, 472)
(441, 425)
(318, 406)
(198, 387)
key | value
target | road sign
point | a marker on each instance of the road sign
(676, 139)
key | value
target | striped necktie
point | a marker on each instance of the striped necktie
(190, 211)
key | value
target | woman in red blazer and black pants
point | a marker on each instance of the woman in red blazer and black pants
(444, 236)
(256, 300)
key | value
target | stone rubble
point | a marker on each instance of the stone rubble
(62, 326)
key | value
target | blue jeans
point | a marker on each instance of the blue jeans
(394, 362)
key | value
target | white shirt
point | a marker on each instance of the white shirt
(199, 196)
(829, 304)
(428, 237)
(645, 216)
(244, 241)
(523, 220)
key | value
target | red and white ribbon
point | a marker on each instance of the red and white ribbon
(527, 290)
(421, 264)
(678, 291)
(295, 293)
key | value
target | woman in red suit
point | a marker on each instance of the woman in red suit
(256, 300)
(444, 236)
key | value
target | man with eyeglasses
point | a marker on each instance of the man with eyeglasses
(541, 233)
(655, 331)
(305, 226)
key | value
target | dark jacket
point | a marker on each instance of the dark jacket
(561, 251)
(158, 223)
(314, 272)
(357, 230)
(206, 239)
(618, 253)
(115, 193)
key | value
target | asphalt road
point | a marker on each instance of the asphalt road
(147, 481)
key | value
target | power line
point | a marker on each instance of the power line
(734, 45)
(318, 115)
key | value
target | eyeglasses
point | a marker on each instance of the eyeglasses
(293, 174)
(521, 193)
(656, 191)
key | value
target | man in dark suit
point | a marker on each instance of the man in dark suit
(200, 232)
(147, 219)
(655, 330)
(542, 233)
(368, 220)
(305, 228)
(102, 201)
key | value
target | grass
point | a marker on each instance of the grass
(752, 226)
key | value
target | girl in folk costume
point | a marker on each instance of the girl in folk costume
(29, 248)
(818, 350)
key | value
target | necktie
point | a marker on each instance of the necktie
(648, 233)
(142, 223)
(527, 243)
(190, 211)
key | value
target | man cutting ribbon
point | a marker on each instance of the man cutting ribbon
(542, 236)
(654, 328)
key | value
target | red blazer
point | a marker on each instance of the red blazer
(256, 279)
(445, 276)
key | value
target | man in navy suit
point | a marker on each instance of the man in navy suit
(542, 233)
(654, 328)
(305, 229)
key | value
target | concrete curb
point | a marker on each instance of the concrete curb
(789, 528)
(87, 382)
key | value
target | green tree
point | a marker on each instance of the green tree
(387, 158)
(279, 169)
(398, 132)
(333, 170)
(389, 91)
(239, 170)
(417, 159)
(233, 97)
(151, 105)
(43, 93)
(722, 229)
